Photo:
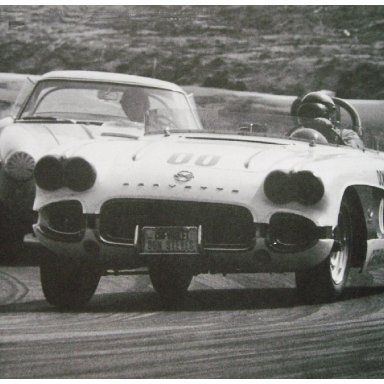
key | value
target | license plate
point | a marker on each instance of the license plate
(163, 240)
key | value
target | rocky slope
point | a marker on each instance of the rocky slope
(274, 49)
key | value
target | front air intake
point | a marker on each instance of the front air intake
(63, 220)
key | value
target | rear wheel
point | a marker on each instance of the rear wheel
(326, 281)
(66, 283)
(170, 280)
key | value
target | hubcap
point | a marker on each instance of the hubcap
(339, 259)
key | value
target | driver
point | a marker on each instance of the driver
(135, 104)
(318, 111)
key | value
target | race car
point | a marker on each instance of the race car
(174, 200)
(11, 85)
(56, 108)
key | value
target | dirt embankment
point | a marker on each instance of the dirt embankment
(274, 49)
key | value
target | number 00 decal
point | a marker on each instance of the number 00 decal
(180, 158)
(207, 160)
(203, 160)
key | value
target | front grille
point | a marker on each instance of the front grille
(223, 226)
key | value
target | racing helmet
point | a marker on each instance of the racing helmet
(316, 104)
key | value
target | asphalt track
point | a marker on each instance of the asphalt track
(238, 326)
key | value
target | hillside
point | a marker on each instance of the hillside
(283, 50)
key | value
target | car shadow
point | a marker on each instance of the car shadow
(20, 256)
(195, 300)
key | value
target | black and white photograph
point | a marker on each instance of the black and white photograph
(192, 191)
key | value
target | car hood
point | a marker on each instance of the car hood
(226, 160)
(228, 169)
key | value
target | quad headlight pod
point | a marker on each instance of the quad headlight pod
(52, 173)
(303, 187)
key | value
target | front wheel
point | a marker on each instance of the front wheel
(170, 280)
(327, 281)
(67, 284)
(12, 230)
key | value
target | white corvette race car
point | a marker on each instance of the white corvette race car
(157, 193)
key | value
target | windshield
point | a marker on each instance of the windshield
(124, 107)
(152, 109)
(271, 116)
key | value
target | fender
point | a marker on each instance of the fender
(372, 204)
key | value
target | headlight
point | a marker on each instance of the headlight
(20, 166)
(279, 188)
(309, 188)
(52, 173)
(79, 175)
(303, 187)
(49, 173)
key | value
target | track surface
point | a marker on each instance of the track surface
(239, 326)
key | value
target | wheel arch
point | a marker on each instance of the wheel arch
(354, 197)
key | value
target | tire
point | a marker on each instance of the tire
(66, 284)
(170, 280)
(11, 235)
(327, 281)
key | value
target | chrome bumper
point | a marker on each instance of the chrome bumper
(259, 257)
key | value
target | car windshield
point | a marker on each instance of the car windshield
(125, 107)
(264, 115)
(260, 116)
(152, 109)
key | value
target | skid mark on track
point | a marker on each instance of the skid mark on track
(228, 327)
(11, 289)
(117, 333)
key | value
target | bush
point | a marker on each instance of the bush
(221, 80)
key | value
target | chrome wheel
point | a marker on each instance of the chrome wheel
(327, 280)
(338, 261)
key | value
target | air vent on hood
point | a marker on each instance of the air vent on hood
(233, 139)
